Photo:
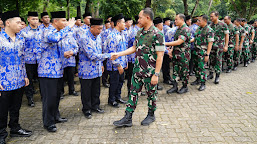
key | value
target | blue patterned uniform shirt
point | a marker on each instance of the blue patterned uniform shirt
(165, 29)
(193, 28)
(12, 63)
(133, 33)
(50, 63)
(104, 35)
(90, 56)
(85, 27)
(116, 42)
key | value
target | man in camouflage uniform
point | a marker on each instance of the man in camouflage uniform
(238, 52)
(149, 48)
(233, 42)
(180, 55)
(220, 44)
(252, 36)
(248, 40)
(204, 37)
(255, 42)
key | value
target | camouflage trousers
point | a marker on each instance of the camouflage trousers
(216, 59)
(136, 87)
(200, 71)
(254, 50)
(237, 55)
(180, 62)
(245, 52)
(228, 57)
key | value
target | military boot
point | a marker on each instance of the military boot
(217, 78)
(149, 118)
(210, 76)
(196, 82)
(184, 89)
(202, 86)
(173, 89)
(125, 121)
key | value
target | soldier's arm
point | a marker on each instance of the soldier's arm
(175, 43)
(253, 35)
(226, 39)
(237, 40)
(129, 51)
(242, 41)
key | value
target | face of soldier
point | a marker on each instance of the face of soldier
(178, 21)
(45, 19)
(96, 29)
(87, 20)
(255, 24)
(14, 24)
(143, 19)
(33, 21)
(213, 17)
(121, 24)
(78, 22)
(107, 25)
(202, 22)
(227, 20)
(60, 23)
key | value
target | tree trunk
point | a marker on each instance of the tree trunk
(97, 10)
(78, 11)
(87, 8)
(46, 2)
(17, 6)
(185, 7)
(68, 9)
(210, 4)
(148, 3)
(193, 11)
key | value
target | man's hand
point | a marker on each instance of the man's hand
(1, 88)
(102, 69)
(240, 47)
(225, 49)
(114, 56)
(251, 41)
(26, 82)
(236, 48)
(68, 54)
(71, 22)
(206, 58)
(170, 53)
(154, 80)
(121, 70)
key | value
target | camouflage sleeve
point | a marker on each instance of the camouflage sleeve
(246, 30)
(210, 36)
(225, 29)
(159, 42)
(236, 30)
(252, 29)
(243, 32)
(184, 35)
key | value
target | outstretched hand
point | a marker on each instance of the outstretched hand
(114, 56)
(71, 22)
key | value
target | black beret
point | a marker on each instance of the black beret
(58, 14)
(166, 19)
(157, 20)
(10, 14)
(87, 14)
(34, 14)
(96, 21)
(77, 17)
(117, 17)
(44, 14)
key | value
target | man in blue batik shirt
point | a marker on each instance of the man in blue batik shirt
(166, 25)
(45, 21)
(50, 68)
(13, 76)
(30, 33)
(86, 20)
(116, 42)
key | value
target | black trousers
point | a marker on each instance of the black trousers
(116, 83)
(191, 62)
(90, 93)
(166, 67)
(31, 70)
(50, 91)
(10, 101)
(77, 63)
(130, 72)
(69, 77)
(105, 73)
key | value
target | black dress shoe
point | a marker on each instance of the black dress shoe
(169, 82)
(121, 101)
(61, 96)
(88, 114)
(74, 93)
(114, 104)
(2, 141)
(228, 71)
(159, 87)
(184, 89)
(196, 82)
(51, 128)
(21, 133)
(31, 103)
(61, 120)
(106, 85)
(98, 110)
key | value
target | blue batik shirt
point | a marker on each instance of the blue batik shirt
(90, 56)
(85, 27)
(104, 35)
(31, 44)
(12, 62)
(165, 29)
(193, 28)
(116, 42)
(131, 39)
(50, 63)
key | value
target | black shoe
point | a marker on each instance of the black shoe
(74, 93)
(192, 74)
(228, 70)
(245, 64)
(21, 133)
(235, 67)
(217, 79)
(143, 94)
(184, 89)
(98, 110)
(51, 128)
(121, 101)
(196, 82)
(61, 120)
(2, 141)
(114, 104)
(31, 102)
(173, 89)
(125, 121)
(253, 60)
(210, 76)
(169, 82)
(149, 118)
(202, 86)
(159, 87)
(106, 85)
(88, 114)
(248, 61)
(61, 96)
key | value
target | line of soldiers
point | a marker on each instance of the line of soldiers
(52, 50)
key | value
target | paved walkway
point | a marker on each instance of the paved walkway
(224, 113)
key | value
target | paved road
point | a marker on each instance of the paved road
(224, 113)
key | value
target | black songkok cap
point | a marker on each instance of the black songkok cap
(127, 19)
(136, 19)
(188, 17)
(106, 21)
(1, 14)
(77, 17)
(58, 14)
(44, 14)
(87, 14)
(10, 14)
(117, 17)
(22, 19)
(166, 19)
(96, 21)
(157, 20)
(34, 14)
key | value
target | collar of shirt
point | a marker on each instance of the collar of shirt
(184, 25)
(8, 37)
(149, 30)
(92, 36)
(116, 31)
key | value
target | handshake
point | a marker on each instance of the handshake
(114, 56)
(68, 54)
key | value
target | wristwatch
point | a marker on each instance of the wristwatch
(206, 54)
(157, 74)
